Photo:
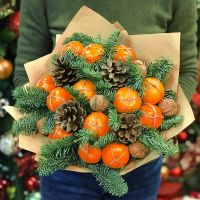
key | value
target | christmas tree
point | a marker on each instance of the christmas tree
(17, 178)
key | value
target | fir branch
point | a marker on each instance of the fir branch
(103, 141)
(135, 77)
(81, 37)
(110, 179)
(79, 97)
(29, 99)
(113, 119)
(138, 114)
(26, 125)
(48, 124)
(170, 94)
(54, 59)
(154, 141)
(84, 136)
(109, 94)
(160, 69)
(171, 122)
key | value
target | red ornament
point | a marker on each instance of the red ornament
(58, 133)
(13, 22)
(32, 183)
(183, 136)
(3, 184)
(47, 83)
(196, 99)
(176, 172)
(57, 97)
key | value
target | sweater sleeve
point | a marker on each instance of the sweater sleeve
(35, 40)
(185, 21)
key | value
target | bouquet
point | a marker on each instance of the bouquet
(98, 107)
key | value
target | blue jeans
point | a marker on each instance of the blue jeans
(143, 184)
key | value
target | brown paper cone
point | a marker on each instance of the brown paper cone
(148, 47)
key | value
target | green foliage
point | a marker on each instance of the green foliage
(48, 124)
(84, 136)
(154, 141)
(81, 37)
(109, 94)
(113, 119)
(57, 155)
(170, 94)
(110, 179)
(135, 77)
(26, 125)
(29, 99)
(79, 97)
(103, 141)
(171, 122)
(160, 69)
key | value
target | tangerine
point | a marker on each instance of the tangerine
(152, 116)
(47, 83)
(115, 155)
(93, 52)
(86, 87)
(123, 53)
(97, 122)
(89, 154)
(58, 133)
(57, 97)
(74, 46)
(127, 100)
(153, 90)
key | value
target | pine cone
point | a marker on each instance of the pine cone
(115, 73)
(70, 116)
(130, 128)
(63, 74)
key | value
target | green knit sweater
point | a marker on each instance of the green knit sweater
(41, 20)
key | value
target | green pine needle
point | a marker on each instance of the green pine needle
(110, 179)
(81, 37)
(160, 69)
(135, 77)
(171, 122)
(48, 124)
(113, 119)
(29, 99)
(79, 97)
(103, 141)
(26, 125)
(170, 94)
(84, 136)
(154, 141)
(56, 155)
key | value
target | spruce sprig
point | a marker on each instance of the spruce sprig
(171, 122)
(81, 37)
(135, 77)
(154, 141)
(103, 141)
(29, 99)
(109, 179)
(114, 121)
(84, 136)
(48, 124)
(79, 97)
(26, 125)
(170, 94)
(160, 69)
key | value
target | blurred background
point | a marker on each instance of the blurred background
(18, 179)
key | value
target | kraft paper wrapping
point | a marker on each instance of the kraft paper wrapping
(148, 47)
